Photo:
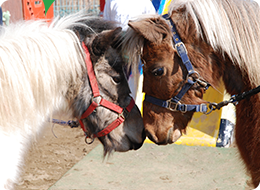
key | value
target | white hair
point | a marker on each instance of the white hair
(231, 27)
(39, 64)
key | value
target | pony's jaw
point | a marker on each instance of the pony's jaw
(163, 126)
(126, 142)
(130, 134)
(134, 128)
(127, 136)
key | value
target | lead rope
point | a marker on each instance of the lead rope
(71, 123)
(234, 99)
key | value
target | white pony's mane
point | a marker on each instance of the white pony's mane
(231, 27)
(38, 63)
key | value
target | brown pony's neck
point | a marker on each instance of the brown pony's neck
(212, 66)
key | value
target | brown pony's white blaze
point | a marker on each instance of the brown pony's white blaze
(222, 41)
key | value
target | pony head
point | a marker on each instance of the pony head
(209, 48)
(108, 64)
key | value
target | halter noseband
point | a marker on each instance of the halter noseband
(102, 102)
(174, 104)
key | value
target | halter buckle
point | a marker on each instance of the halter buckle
(180, 47)
(174, 107)
(185, 108)
(201, 108)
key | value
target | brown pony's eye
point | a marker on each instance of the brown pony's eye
(158, 71)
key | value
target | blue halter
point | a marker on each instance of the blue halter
(174, 104)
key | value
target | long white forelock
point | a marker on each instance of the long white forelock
(37, 65)
(231, 27)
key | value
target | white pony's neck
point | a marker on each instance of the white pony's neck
(38, 64)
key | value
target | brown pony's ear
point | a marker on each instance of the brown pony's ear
(152, 29)
(103, 40)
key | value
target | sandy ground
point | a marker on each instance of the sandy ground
(50, 157)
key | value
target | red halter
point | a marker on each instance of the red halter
(103, 102)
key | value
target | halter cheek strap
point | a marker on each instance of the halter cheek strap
(174, 104)
(102, 102)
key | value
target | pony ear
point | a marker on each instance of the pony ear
(103, 40)
(152, 29)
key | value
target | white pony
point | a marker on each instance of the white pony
(42, 74)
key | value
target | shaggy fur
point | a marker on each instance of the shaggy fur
(43, 74)
(36, 71)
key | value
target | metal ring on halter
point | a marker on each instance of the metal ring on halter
(98, 102)
(194, 72)
(121, 114)
(211, 107)
(91, 139)
(185, 108)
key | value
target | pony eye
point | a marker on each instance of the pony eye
(158, 71)
(116, 79)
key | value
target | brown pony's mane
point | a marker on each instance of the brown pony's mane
(220, 24)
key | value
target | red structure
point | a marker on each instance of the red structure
(102, 5)
(26, 10)
(34, 9)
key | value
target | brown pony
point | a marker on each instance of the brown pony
(222, 41)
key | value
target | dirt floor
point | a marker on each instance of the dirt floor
(50, 157)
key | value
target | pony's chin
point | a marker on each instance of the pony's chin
(124, 145)
(173, 135)
(131, 147)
